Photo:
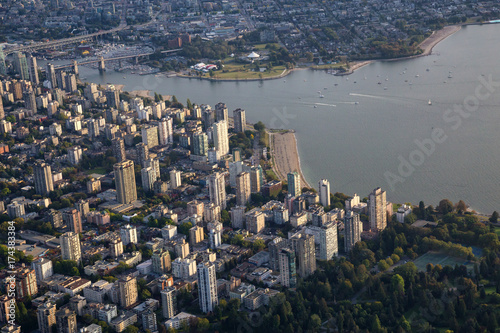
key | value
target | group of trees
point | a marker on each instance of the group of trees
(207, 49)
(69, 267)
(243, 140)
(348, 295)
(18, 257)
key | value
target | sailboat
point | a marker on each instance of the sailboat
(430, 103)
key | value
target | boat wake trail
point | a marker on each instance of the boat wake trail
(394, 99)
(324, 104)
(372, 96)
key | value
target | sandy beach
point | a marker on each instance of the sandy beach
(358, 65)
(285, 156)
(142, 93)
(437, 36)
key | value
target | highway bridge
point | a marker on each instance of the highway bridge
(67, 41)
(102, 60)
(61, 42)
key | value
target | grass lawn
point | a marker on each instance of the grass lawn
(241, 71)
(234, 70)
(270, 173)
(263, 46)
(99, 170)
(328, 66)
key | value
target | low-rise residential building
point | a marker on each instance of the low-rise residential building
(259, 297)
(120, 323)
(178, 320)
(98, 291)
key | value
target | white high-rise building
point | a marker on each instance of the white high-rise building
(211, 212)
(175, 179)
(127, 291)
(324, 192)
(238, 217)
(181, 249)
(15, 209)
(97, 292)
(43, 178)
(221, 140)
(294, 184)
(150, 136)
(328, 241)
(51, 75)
(215, 234)
(70, 246)
(43, 269)
(221, 111)
(75, 155)
(148, 177)
(169, 231)
(161, 261)
(128, 234)
(33, 70)
(213, 155)
(352, 202)
(207, 287)
(305, 251)
(200, 144)
(93, 127)
(169, 302)
(165, 131)
(377, 206)
(288, 268)
(239, 120)
(352, 230)
(46, 315)
(126, 191)
(55, 129)
(243, 188)
(154, 163)
(184, 268)
(235, 168)
(217, 189)
(115, 248)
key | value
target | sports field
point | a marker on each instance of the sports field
(439, 258)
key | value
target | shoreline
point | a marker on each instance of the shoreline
(436, 37)
(285, 156)
(427, 45)
(134, 93)
(141, 93)
(430, 42)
